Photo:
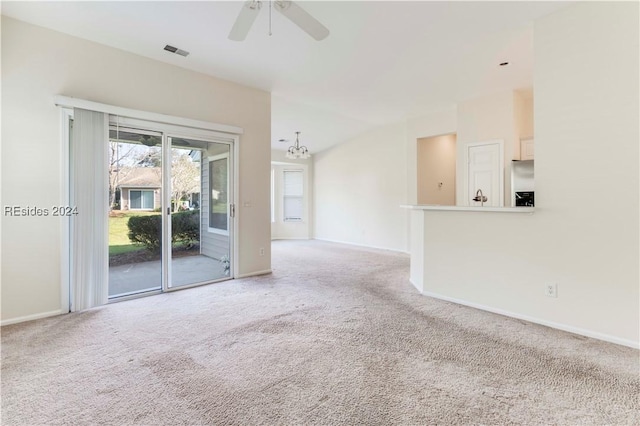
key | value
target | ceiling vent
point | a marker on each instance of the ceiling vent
(172, 49)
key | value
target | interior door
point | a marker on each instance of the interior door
(200, 210)
(485, 174)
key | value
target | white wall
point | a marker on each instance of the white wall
(359, 186)
(36, 65)
(584, 234)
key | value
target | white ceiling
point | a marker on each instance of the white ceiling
(383, 61)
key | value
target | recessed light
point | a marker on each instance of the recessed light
(282, 140)
(504, 64)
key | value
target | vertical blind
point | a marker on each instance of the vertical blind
(293, 195)
(88, 151)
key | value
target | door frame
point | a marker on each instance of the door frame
(500, 143)
(148, 120)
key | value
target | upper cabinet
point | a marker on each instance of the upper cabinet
(526, 149)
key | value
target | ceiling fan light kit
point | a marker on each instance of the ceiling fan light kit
(289, 9)
(298, 152)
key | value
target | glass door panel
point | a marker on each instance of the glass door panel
(135, 221)
(200, 230)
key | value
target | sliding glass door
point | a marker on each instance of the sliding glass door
(200, 211)
(170, 209)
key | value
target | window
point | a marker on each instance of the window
(218, 194)
(141, 200)
(293, 195)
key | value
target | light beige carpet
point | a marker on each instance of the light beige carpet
(336, 335)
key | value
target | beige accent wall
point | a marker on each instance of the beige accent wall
(584, 234)
(523, 121)
(437, 170)
(523, 110)
(38, 64)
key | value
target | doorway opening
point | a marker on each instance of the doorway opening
(437, 170)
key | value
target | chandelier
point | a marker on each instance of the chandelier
(298, 151)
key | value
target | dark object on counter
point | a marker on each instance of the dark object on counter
(525, 199)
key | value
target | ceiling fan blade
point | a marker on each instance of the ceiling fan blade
(244, 21)
(301, 18)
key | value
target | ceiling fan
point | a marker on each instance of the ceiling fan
(290, 9)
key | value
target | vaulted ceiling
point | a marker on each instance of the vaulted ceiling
(382, 62)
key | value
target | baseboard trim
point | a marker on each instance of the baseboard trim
(32, 317)
(289, 238)
(414, 284)
(254, 274)
(563, 327)
(363, 245)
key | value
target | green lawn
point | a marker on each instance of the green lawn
(118, 240)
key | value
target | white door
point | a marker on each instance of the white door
(484, 172)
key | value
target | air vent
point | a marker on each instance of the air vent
(172, 49)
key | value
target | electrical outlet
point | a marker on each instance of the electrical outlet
(261, 251)
(551, 290)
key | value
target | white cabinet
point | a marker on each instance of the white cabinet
(526, 149)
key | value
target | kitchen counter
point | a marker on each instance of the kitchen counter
(470, 208)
